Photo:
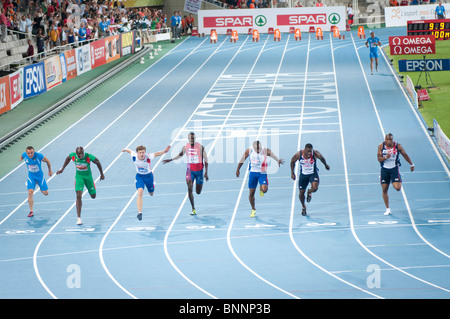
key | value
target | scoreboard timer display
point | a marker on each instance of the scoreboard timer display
(440, 28)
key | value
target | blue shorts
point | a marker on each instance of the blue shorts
(38, 179)
(390, 175)
(145, 180)
(195, 176)
(255, 178)
(374, 54)
(304, 180)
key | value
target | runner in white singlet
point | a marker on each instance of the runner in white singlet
(144, 174)
(258, 170)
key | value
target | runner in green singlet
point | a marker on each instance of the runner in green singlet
(83, 175)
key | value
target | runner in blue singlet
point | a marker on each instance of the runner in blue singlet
(373, 43)
(33, 161)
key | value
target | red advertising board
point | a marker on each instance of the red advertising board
(228, 22)
(414, 44)
(15, 88)
(98, 53)
(302, 19)
(71, 64)
(5, 103)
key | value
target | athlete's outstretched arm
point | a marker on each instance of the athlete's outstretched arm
(162, 152)
(241, 162)
(176, 157)
(272, 155)
(205, 159)
(99, 165)
(322, 159)
(380, 156)
(66, 162)
(294, 159)
(405, 156)
(47, 161)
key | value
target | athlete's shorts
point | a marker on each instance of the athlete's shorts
(390, 175)
(85, 180)
(195, 176)
(304, 180)
(255, 178)
(38, 179)
(374, 54)
(145, 180)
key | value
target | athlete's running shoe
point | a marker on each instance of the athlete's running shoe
(79, 222)
(261, 193)
(303, 211)
(139, 216)
(308, 196)
(193, 212)
(253, 213)
(387, 212)
(31, 214)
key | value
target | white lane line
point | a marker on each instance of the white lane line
(242, 189)
(406, 202)
(294, 187)
(85, 116)
(36, 269)
(134, 196)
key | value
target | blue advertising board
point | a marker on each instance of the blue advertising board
(418, 65)
(34, 82)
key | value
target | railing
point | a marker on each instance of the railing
(61, 48)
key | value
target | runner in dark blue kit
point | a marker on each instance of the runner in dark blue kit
(309, 172)
(388, 156)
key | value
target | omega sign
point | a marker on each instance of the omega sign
(416, 44)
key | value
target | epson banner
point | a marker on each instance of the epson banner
(34, 80)
(418, 65)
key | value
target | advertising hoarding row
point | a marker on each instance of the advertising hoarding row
(280, 18)
(38, 78)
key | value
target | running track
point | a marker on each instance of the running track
(285, 94)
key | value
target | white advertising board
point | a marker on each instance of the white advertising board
(263, 19)
(399, 16)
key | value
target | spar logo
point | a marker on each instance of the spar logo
(228, 22)
(301, 19)
(260, 20)
(334, 18)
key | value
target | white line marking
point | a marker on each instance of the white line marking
(404, 196)
(36, 269)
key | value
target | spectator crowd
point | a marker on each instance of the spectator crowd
(59, 22)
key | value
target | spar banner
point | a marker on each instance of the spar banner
(53, 73)
(98, 53)
(413, 44)
(280, 18)
(71, 64)
(83, 58)
(34, 80)
(16, 88)
(112, 48)
(127, 41)
(5, 103)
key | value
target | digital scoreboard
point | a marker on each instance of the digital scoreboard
(440, 28)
